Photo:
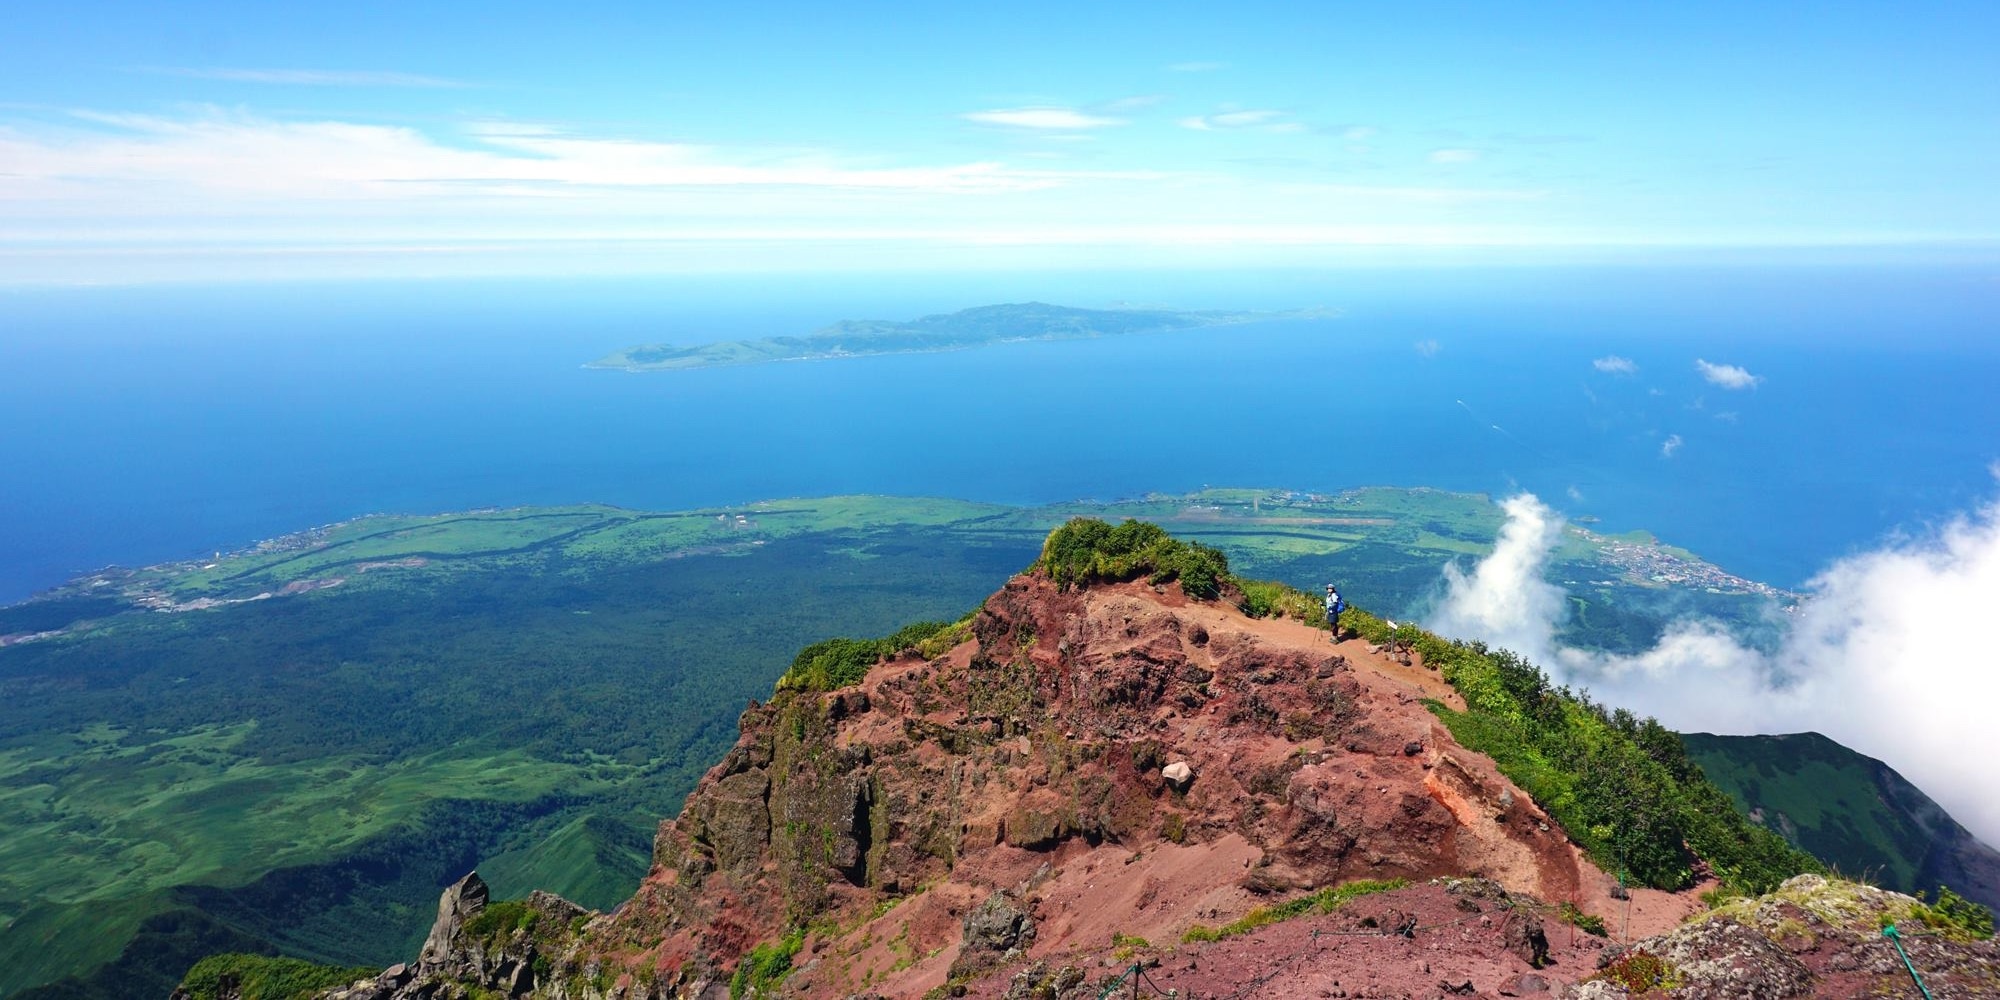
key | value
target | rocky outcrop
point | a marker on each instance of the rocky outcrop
(1813, 937)
(459, 904)
(994, 932)
(477, 948)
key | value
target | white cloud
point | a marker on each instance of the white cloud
(236, 156)
(1053, 119)
(1265, 119)
(1575, 495)
(1198, 66)
(1454, 155)
(310, 77)
(1428, 348)
(1615, 365)
(1727, 376)
(1137, 102)
(1881, 657)
(1671, 445)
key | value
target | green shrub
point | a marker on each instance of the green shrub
(842, 662)
(1266, 599)
(1955, 916)
(767, 965)
(500, 919)
(1124, 946)
(1640, 972)
(265, 977)
(1325, 900)
(1087, 550)
(1569, 913)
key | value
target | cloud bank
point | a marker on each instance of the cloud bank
(1727, 376)
(1890, 655)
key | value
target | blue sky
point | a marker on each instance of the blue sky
(216, 140)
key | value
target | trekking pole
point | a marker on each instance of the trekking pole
(1896, 938)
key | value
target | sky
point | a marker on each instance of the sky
(225, 139)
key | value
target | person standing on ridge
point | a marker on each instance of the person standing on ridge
(1334, 606)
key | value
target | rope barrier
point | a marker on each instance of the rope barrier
(1896, 938)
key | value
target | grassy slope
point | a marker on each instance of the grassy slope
(262, 747)
(291, 731)
(1852, 810)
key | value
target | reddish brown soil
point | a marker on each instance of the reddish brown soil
(1353, 952)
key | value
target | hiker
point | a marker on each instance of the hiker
(1334, 606)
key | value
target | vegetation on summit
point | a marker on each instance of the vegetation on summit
(1087, 550)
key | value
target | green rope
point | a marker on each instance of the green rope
(1896, 938)
(1120, 981)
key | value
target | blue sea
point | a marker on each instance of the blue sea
(141, 424)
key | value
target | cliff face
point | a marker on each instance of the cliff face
(1113, 760)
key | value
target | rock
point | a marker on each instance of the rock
(994, 931)
(1179, 774)
(457, 906)
(1618, 891)
(554, 908)
(997, 926)
(1523, 937)
(1412, 748)
(1524, 984)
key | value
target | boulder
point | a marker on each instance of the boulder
(1179, 774)
(1523, 937)
(1523, 985)
(995, 931)
(998, 926)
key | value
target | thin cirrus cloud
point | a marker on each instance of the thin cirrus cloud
(308, 77)
(1614, 365)
(1727, 376)
(227, 156)
(1254, 118)
(1047, 118)
(1455, 155)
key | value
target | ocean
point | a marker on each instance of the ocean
(141, 424)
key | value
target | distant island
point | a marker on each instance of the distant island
(963, 330)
